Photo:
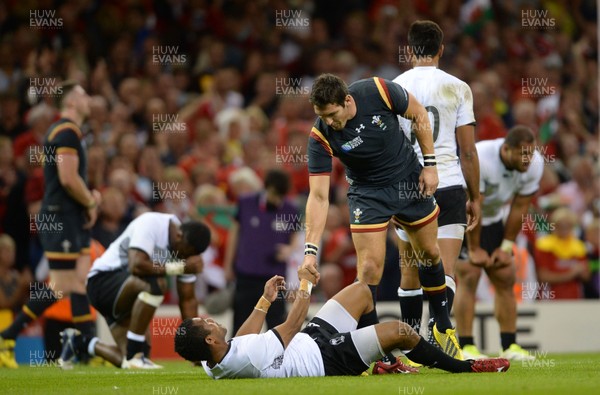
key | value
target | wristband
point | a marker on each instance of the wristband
(430, 156)
(507, 246)
(429, 163)
(175, 268)
(310, 249)
(306, 286)
(262, 305)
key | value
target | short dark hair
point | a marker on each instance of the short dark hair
(518, 135)
(425, 38)
(66, 87)
(278, 179)
(190, 342)
(196, 234)
(328, 89)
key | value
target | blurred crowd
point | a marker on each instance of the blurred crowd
(194, 101)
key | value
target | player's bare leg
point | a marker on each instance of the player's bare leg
(370, 254)
(505, 305)
(505, 309)
(464, 302)
(449, 251)
(119, 333)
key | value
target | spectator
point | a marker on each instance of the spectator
(561, 258)
(111, 218)
(39, 119)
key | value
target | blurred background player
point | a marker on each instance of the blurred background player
(359, 125)
(70, 204)
(510, 169)
(127, 284)
(452, 121)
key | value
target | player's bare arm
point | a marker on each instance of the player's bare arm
(297, 314)
(428, 181)
(477, 255)
(71, 181)
(317, 207)
(188, 304)
(256, 319)
(502, 255)
(469, 163)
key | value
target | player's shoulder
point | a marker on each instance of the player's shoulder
(449, 78)
(362, 85)
(489, 144)
(152, 218)
(489, 154)
(63, 127)
(536, 168)
(405, 76)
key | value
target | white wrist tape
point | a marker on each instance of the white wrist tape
(175, 268)
(306, 286)
(507, 246)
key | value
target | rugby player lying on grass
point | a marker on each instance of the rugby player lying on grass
(330, 345)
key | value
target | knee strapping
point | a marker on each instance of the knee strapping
(152, 300)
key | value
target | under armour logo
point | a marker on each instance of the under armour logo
(358, 129)
(66, 245)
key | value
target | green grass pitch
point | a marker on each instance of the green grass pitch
(554, 374)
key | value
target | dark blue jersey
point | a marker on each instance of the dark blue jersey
(63, 137)
(371, 146)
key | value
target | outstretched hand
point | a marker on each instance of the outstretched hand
(272, 286)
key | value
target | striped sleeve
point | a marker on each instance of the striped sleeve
(66, 138)
(393, 95)
(319, 153)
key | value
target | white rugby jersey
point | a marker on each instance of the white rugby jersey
(498, 184)
(150, 233)
(263, 355)
(449, 103)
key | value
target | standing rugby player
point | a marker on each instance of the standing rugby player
(449, 103)
(359, 125)
(511, 170)
(69, 203)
